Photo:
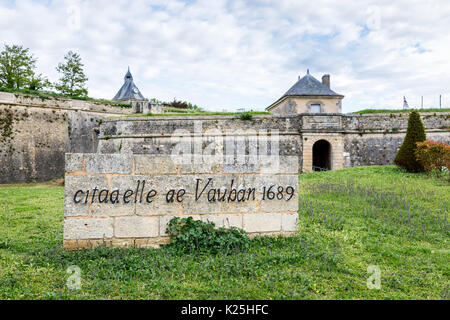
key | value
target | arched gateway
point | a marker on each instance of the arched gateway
(321, 155)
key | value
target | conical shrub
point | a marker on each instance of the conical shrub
(405, 157)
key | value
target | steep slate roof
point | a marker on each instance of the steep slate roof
(129, 91)
(310, 86)
(307, 86)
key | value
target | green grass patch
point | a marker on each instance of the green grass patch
(348, 219)
(199, 113)
(365, 111)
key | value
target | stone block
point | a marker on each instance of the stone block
(113, 210)
(108, 163)
(289, 181)
(262, 222)
(151, 164)
(213, 181)
(200, 207)
(282, 205)
(287, 164)
(157, 206)
(241, 164)
(199, 164)
(243, 206)
(289, 222)
(84, 183)
(177, 182)
(258, 181)
(88, 228)
(224, 220)
(86, 243)
(137, 227)
(150, 242)
(74, 162)
(131, 182)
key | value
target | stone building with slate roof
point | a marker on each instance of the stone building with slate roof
(129, 91)
(308, 95)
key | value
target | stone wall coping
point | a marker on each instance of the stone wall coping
(201, 135)
(101, 164)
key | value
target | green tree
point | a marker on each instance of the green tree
(17, 66)
(39, 82)
(405, 157)
(73, 80)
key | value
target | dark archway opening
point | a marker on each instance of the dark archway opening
(321, 155)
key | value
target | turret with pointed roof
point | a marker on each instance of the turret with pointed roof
(308, 95)
(129, 91)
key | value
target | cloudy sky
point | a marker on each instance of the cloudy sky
(224, 55)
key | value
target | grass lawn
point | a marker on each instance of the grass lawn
(402, 110)
(187, 113)
(349, 219)
(45, 95)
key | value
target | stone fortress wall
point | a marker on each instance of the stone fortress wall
(36, 132)
(373, 139)
(356, 140)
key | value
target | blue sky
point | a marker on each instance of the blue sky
(225, 55)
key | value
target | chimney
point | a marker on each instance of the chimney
(326, 80)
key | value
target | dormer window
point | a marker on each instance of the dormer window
(315, 108)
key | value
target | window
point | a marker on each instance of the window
(315, 108)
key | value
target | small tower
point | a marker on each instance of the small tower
(129, 92)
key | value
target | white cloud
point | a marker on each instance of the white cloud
(232, 54)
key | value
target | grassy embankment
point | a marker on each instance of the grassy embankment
(187, 112)
(45, 95)
(349, 219)
(366, 111)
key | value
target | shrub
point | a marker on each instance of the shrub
(246, 116)
(415, 133)
(179, 104)
(434, 156)
(189, 235)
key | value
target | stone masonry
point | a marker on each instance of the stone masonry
(136, 196)
(356, 140)
(36, 132)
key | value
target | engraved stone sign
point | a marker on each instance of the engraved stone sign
(128, 200)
